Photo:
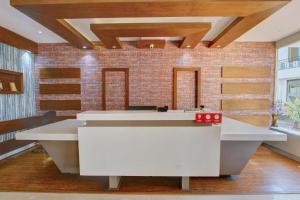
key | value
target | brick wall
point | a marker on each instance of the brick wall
(150, 71)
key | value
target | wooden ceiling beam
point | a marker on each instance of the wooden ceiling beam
(51, 13)
(192, 32)
(62, 28)
(240, 26)
(13, 39)
(67, 9)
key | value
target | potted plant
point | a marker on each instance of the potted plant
(293, 112)
(276, 113)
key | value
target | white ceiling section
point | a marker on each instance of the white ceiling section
(17, 22)
(283, 23)
(218, 24)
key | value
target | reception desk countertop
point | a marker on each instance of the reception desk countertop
(231, 130)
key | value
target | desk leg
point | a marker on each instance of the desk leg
(114, 182)
(185, 183)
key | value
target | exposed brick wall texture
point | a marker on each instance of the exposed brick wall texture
(151, 72)
(115, 90)
(186, 90)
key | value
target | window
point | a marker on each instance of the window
(293, 89)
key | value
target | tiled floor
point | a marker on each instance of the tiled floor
(55, 196)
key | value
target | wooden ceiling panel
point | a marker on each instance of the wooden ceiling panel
(51, 13)
(192, 32)
(149, 44)
(68, 9)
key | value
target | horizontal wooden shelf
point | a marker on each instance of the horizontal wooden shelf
(246, 88)
(59, 73)
(60, 89)
(60, 104)
(11, 77)
(257, 120)
(246, 104)
(246, 72)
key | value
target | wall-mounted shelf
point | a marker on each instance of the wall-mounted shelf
(11, 82)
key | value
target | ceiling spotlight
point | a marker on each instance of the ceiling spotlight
(188, 46)
(114, 47)
(151, 46)
(40, 32)
(84, 47)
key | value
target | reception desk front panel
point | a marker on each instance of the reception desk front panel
(149, 151)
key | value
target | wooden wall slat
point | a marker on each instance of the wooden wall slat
(60, 105)
(60, 89)
(246, 104)
(57, 73)
(246, 72)
(246, 88)
(257, 120)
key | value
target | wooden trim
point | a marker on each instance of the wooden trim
(11, 145)
(60, 105)
(256, 120)
(246, 72)
(197, 84)
(26, 123)
(60, 89)
(59, 73)
(246, 88)
(18, 41)
(246, 104)
(22, 124)
(126, 71)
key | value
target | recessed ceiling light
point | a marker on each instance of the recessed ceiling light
(40, 32)
(188, 46)
(84, 47)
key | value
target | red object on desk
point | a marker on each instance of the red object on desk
(208, 118)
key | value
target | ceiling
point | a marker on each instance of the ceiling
(218, 24)
(277, 26)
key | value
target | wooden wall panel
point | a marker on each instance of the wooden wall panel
(257, 120)
(60, 89)
(246, 88)
(57, 73)
(60, 105)
(246, 72)
(246, 104)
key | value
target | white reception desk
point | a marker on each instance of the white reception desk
(148, 143)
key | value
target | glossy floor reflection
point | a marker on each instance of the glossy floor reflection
(56, 196)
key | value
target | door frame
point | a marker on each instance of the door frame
(197, 71)
(126, 73)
